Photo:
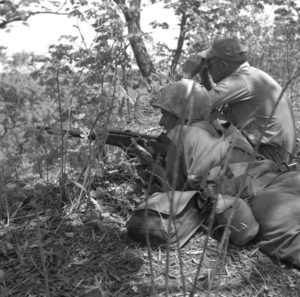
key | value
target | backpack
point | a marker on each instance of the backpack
(155, 220)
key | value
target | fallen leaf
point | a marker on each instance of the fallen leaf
(70, 234)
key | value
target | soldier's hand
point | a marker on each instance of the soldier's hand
(197, 65)
(194, 65)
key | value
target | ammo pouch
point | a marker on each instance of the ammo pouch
(155, 220)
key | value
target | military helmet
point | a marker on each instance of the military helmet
(185, 99)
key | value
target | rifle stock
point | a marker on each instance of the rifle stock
(122, 139)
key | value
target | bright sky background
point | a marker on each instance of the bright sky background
(46, 29)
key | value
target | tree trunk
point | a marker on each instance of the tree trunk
(132, 17)
(180, 42)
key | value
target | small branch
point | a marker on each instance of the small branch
(3, 24)
(61, 125)
(41, 250)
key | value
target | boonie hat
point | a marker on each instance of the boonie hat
(230, 49)
(185, 99)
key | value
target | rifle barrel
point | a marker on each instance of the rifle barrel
(122, 139)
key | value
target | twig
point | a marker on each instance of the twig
(210, 228)
(223, 247)
(32, 214)
(60, 120)
(148, 237)
(45, 272)
(3, 24)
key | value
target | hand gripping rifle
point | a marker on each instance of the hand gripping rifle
(146, 147)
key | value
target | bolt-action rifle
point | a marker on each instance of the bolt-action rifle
(134, 144)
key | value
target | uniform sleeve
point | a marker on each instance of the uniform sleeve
(193, 152)
(231, 89)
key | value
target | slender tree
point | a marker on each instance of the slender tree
(132, 17)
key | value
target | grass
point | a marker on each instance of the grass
(71, 245)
